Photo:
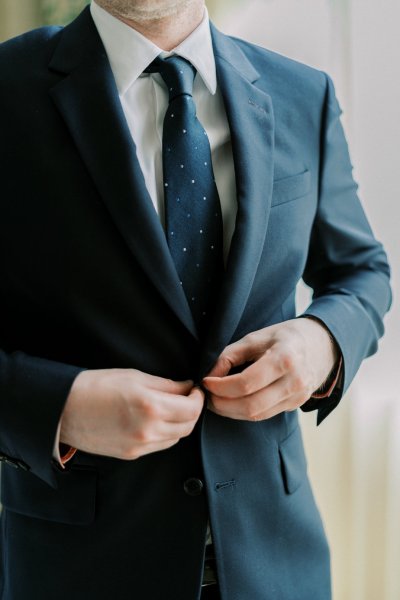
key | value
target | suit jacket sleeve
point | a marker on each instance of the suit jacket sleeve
(346, 267)
(32, 396)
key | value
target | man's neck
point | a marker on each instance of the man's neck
(169, 32)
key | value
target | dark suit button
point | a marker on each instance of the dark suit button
(193, 486)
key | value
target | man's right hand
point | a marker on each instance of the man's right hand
(125, 413)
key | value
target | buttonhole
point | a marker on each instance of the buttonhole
(222, 485)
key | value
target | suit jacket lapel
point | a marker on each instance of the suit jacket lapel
(250, 116)
(88, 101)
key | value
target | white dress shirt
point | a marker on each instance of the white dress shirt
(144, 100)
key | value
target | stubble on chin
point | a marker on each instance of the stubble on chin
(142, 11)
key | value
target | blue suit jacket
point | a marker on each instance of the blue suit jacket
(86, 281)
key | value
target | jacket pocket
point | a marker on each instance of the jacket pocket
(73, 502)
(291, 188)
(293, 461)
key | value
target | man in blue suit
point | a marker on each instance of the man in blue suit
(146, 452)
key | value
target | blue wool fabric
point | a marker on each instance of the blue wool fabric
(193, 218)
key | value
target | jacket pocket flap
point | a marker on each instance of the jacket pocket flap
(73, 502)
(290, 188)
(293, 461)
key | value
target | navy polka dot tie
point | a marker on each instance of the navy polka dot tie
(193, 217)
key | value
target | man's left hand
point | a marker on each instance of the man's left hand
(290, 361)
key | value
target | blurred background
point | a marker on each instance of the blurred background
(354, 456)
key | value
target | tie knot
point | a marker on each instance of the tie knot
(177, 73)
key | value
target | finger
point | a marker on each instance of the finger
(288, 405)
(263, 401)
(166, 385)
(235, 354)
(163, 432)
(159, 431)
(197, 395)
(257, 376)
(222, 367)
(181, 409)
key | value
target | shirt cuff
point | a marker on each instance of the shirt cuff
(61, 452)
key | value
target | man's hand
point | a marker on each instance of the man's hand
(289, 362)
(125, 413)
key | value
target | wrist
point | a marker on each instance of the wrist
(333, 345)
(334, 376)
(71, 408)
(330, 355)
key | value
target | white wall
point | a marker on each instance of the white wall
(375, 60)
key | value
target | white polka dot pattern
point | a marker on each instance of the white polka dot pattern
(192, 206)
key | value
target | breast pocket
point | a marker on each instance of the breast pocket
(291, 188)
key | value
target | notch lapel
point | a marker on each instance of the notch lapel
(88, 101)
(250, 116)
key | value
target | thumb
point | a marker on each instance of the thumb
(197, 394)
(167, 385)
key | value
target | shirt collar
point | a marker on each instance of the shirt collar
(130, 53)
